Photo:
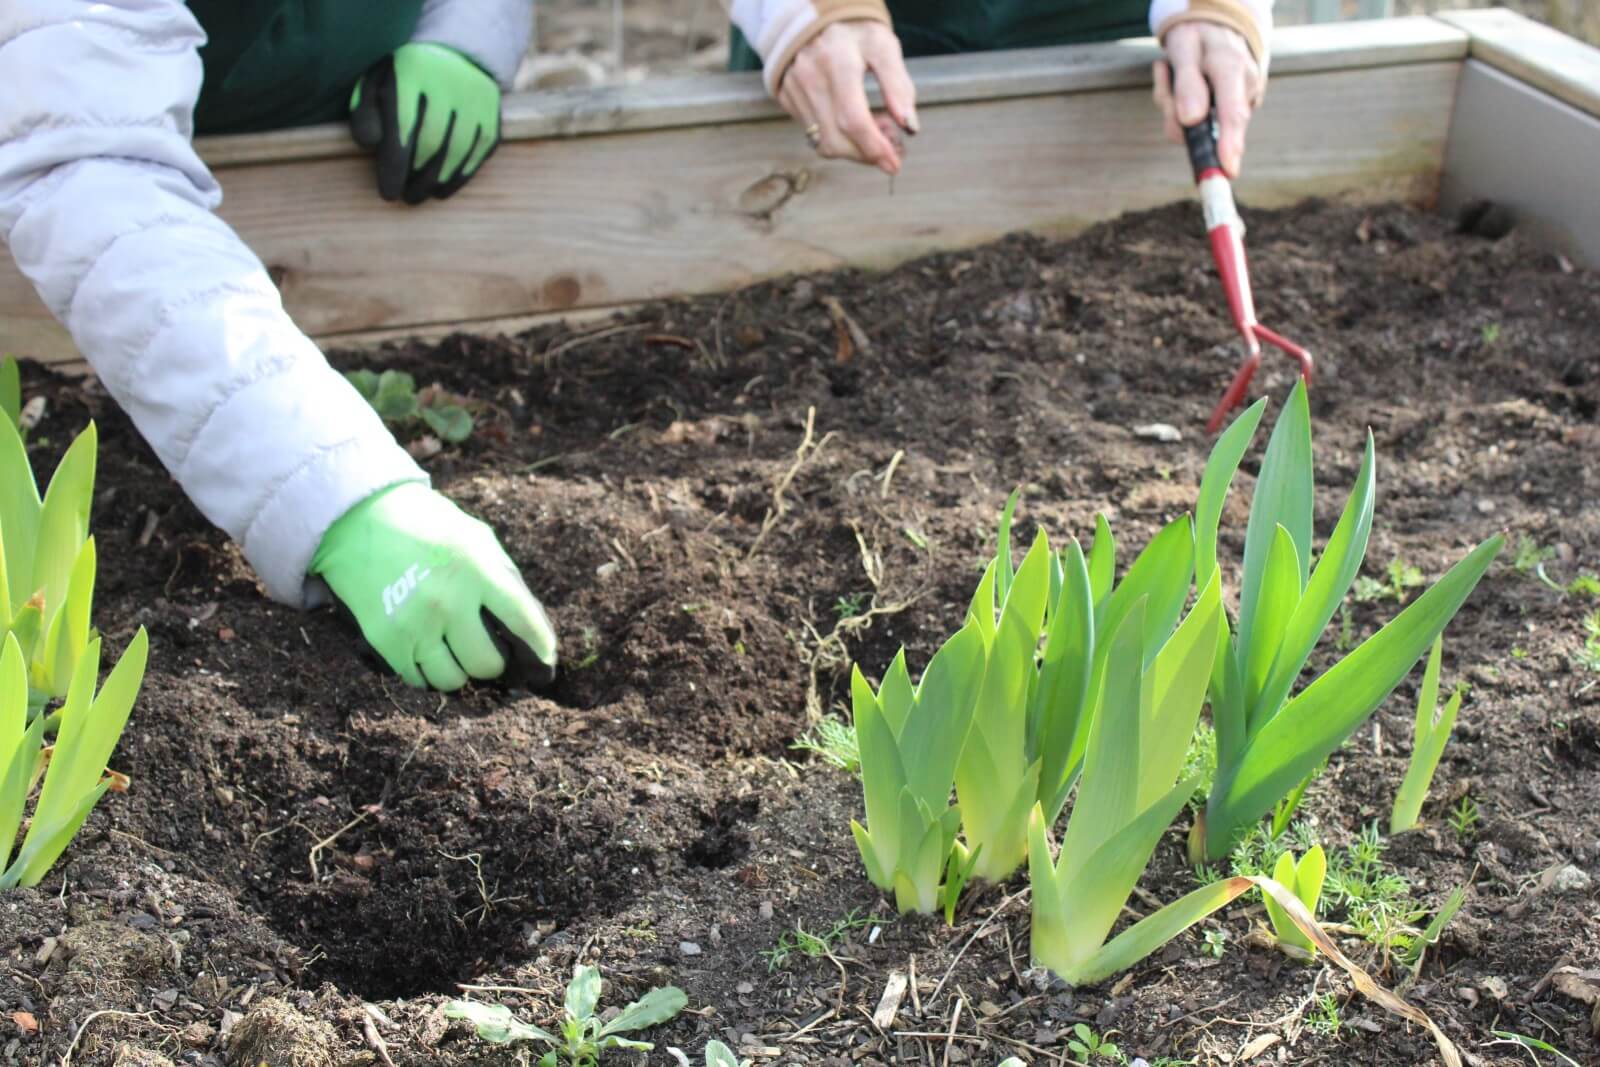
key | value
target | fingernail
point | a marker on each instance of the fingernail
(913, 127)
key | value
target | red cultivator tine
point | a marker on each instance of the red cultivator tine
(1225, 231)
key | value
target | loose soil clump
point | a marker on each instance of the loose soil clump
(726, 501)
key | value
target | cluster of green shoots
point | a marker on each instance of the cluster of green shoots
(1063, 677)
(394, 396)
(48, 653)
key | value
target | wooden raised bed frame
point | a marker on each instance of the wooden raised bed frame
(605, 197)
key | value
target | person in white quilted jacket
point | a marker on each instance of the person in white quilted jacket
(107, 209)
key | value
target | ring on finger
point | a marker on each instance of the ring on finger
(814, 134)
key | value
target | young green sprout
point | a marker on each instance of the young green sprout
(910, 739)
(1036, 706)
(720, 1055)
(47, 560)
(1432, 730)
(75, 775)
(394, 396)
(1268, 742)
(1089, 1046)
(1303, 879)
(584, 1037)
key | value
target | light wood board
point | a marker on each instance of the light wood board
(667, 103)
(614, 218)
(1532, 52)
(1540, 157)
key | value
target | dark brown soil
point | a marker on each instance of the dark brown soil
(305, 836)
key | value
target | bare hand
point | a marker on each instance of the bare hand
(1211, 63)
(825, 88)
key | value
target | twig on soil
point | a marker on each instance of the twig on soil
(993, 915)
(808, 1027)
(853, 339)
(808, 450)
(555, 352)
(955, 1017)
(375, 1040)
(502, 989)
(888, 474)
(141, 842)
(66, 1058)
(488, 901)
(327, 842)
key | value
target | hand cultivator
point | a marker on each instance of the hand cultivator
(1226, 230)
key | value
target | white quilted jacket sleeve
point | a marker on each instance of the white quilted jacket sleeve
(493, 33)
(107, 209)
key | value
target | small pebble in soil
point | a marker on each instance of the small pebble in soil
(1158, 431)
(766, 909)
(688, 948)
(1486, 506)
(1571, 879)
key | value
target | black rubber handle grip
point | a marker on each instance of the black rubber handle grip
(1200, 139)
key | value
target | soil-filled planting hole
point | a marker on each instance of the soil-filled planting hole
(417, 901)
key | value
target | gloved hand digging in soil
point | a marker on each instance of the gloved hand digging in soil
(109, 211)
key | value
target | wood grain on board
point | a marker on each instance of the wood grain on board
(664, 103)
(1532, 52)
(574, 222)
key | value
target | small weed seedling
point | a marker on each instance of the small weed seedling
(850, 605)
(1200, 763)
(1464, 817)
(834, 743)
(1345, 639)
(1324, 1018)
(1506, 1037)
(815, 945)
(1491, 333)
(1429, 734)
(1402, 578)
(1585, 584)
(1588, 657)
(1259, 851)
(1089, 1046)
(590, 643)
(1530, 555)
(1216, 943)
(394, 396)
(1376, 898)
(584, 1038)
(1412, 956)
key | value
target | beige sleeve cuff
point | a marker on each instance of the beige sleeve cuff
(778, 29)
(1230, 13)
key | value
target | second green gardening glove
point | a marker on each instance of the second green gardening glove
(432, 114)
(433, 592)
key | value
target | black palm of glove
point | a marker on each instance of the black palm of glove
(434, 117)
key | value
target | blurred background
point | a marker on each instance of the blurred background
(594, 42)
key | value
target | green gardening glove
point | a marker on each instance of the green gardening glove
(432, 114)
(433, 592)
